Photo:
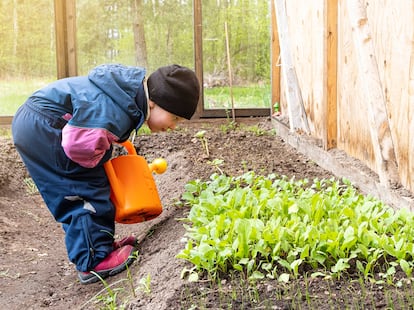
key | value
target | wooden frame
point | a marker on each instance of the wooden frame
(198, 56)
(330, 105)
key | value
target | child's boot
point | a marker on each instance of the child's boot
(116, 262)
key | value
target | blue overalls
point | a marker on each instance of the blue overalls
(110, 97)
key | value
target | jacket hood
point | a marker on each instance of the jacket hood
(122, 84)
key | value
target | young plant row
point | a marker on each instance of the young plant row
(270, 226)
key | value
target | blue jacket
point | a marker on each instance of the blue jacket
(103, 107)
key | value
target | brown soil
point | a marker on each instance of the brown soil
(35, 272)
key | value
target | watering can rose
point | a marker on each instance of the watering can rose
(158, 165)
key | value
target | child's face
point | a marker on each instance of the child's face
(160, 119)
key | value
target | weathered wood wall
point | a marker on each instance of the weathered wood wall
(355, 66)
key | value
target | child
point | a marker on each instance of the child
(64, 134)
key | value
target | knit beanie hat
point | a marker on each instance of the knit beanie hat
(175, 89)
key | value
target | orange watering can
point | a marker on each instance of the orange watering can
(133, 189)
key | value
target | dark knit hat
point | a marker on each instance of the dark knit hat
(175, 89)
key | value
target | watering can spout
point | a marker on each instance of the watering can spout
(133, 189)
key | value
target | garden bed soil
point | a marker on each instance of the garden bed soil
(35, 272)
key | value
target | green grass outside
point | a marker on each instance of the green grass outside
(13, 93)
(254, 96)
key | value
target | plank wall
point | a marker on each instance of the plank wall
(390, 25)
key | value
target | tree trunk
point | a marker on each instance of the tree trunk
(139, 34)
(15, 28)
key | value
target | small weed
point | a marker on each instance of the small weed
(6, 274)
(229, 126)
(31, 186)
(216, 163)
(145, 284)
(109, 300)
(129, 276)
(258, 131)
(201, 135)
(276, 107)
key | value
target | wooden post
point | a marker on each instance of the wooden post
(410, 174)
(297, 116)
(230, 71)
(65, 27)
(275, 52)
(331, 101)
(377, 112)
(198, 53)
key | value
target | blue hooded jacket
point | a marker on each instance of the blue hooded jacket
(103, 107)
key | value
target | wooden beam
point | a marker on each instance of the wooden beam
(275, 61)
(65, 28)
(216, 113)
(297, 115)
(410, 174)
(6, 120)
(381, 138)
(198, 53)
(331, 101)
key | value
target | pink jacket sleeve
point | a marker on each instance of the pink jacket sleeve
(86, 146)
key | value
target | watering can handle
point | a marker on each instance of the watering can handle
(129, 147)
(110, 172)
(158, 166)
(116, 187)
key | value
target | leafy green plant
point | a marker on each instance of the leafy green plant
(272, 227)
